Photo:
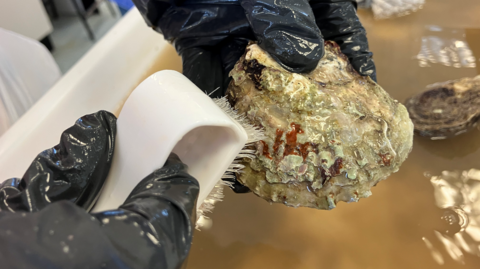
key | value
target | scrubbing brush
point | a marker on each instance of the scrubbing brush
(168, 113)
(254, 134)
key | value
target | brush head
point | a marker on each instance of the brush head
(168, 113)
(254, 134)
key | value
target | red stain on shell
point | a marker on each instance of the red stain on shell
(294, 148)
(336, 167)
(291, 143)
(323, 174)
(265, 150)
(306, 148)
(278, 141)
(385, 159)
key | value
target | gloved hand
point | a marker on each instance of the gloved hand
(74, 170)
(41, 227)
(211, 35)
(338, 21)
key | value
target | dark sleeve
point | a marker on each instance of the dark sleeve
(152, 230)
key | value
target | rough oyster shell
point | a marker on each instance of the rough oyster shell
(446, 109)
(330, 135)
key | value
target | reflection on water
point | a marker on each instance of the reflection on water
(384, 9)
(437, 256)
(458, 193)
(445, 46)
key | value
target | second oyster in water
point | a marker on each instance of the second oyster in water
(446, 109)
(330, 135)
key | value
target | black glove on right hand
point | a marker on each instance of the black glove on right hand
(286, 29)
(211, 35)
(168, 187)
(338, 22)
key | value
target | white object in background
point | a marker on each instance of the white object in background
(166, 113)
(27, 72)
(445, 46)
(26, 17)
(101, 80)
(384, 9)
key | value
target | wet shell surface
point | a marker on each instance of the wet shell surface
(330, 135)
(446, 109)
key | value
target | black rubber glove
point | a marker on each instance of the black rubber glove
(286, 29)
(73, 170)
(153, 229)
(211, 35)
(338, 21)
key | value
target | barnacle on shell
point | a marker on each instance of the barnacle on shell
(330, 135)
(446, 109)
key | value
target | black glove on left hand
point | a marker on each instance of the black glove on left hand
(40, 227)
(74, 170)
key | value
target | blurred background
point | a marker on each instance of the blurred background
(41, 40)
(68, 28)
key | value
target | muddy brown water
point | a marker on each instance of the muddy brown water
(400, 225)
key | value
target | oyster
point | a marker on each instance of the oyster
(446, 109)
(330, 135)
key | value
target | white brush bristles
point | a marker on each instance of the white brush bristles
(254, 134)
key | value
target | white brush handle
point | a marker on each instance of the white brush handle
(166, 113)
